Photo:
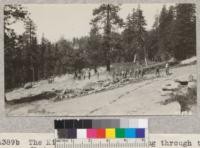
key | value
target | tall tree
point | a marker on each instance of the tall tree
(94, 52)
(31, 50)
(141, 35)
(129, 37)
(12, 14)
(152, 39)
(134, 36)
(166, 32)
(107, 15)
(185, 28)
(65, 49)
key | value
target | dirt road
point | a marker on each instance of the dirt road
(142, 98)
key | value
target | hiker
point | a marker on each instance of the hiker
(79, 76)
(157, 72)
(98, 75)
(75, 75)
(136, 73)
(139, 72)
(84, 76)
(142, 73)
(133, 72)
(130, 73)
(122, 73)
(89, 75)
(126, 73)
(167, 68)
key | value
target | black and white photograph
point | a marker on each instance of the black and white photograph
(103, 59)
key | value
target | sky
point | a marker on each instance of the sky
(72, 20)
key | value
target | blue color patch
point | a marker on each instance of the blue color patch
(140, 133)
(130, 133)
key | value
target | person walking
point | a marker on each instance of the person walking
(167, 68)
(157, 72)
(139, 72)
(89, 75)
(142, 72)
(136, 73)
(98, 75)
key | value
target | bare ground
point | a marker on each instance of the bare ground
(141, 98)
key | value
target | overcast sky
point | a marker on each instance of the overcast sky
(72, 20)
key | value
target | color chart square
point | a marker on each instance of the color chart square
(120, 132)
(142, 123)
(100, 133)
(91, 133)
(110, 133)
(59, 124)
(72, 133)
(130, 133)
(62, 133)
(81, 133)
(140, 133)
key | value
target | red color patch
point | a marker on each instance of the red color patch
(100, 133)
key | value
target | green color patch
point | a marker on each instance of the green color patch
(120, 132)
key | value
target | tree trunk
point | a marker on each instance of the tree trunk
(108, 65)
(33, 73)
(135, 58)
(145, 56)
(107, 38)
(145, 59)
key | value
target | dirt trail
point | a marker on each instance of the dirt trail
(142, 98)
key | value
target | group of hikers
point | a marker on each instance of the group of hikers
(166, 70)
(137, 72)
(79, 75)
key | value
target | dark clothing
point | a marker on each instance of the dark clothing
(157, 71)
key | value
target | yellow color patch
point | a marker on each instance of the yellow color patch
(110, 133)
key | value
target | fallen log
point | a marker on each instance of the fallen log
(43, 96)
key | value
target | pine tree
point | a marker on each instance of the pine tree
(12, 14)
(134, 36)
(107, 15)
(31, 50)
(129, 37)
(141, 35)
(94, 52)
(166, 33)
(162, 33)
(185, 27)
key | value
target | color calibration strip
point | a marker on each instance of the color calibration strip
(101, 128)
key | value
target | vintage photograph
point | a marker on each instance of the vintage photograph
(100, 59)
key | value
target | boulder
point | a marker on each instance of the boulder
(106, 84)
(89, 86)
(28, 85)
(170, 86)
(88, 89)
(192, 84)
(184, 80)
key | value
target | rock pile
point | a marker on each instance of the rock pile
(180, 84)
(92, 87)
